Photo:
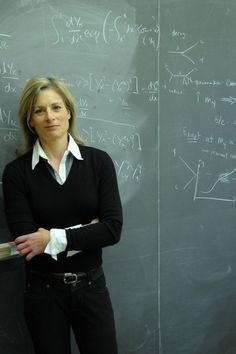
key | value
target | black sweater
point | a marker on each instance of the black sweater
(33, 199)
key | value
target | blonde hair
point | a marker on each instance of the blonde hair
(27, 101)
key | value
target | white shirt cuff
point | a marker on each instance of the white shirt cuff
(57, 243)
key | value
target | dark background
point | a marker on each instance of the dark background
(155, 83)
(197, 160)
(107, 52)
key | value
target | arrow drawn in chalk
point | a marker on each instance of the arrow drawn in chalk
(230, 99)
(190, 169)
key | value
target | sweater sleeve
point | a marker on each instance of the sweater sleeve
(108, 230)
(18, 214)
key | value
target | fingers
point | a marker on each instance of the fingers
(30, 256)
(94, 221)
(22, 246)
(24, 251)
(32, 244)
(21, 239)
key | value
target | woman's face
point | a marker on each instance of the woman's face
(50, 117)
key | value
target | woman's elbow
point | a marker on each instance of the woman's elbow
(116, 231)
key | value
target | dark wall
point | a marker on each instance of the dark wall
(197, 160)
(155, 84)
(14, 338)
(107, 53)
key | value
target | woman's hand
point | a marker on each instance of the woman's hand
(32, 244)
(94, 221)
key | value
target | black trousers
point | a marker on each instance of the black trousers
(51, 310)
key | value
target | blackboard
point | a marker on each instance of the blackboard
(197, 238)
(107, 53)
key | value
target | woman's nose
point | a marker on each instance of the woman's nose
(49, 114)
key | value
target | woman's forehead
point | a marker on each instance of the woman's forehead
(48, 96)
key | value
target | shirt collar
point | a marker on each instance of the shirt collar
(38, 151)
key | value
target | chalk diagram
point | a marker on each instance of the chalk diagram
(204, 183)
(208, 186)
(186, 54)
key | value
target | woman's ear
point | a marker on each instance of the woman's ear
(69, 113)
(30, 123)
(31, 126)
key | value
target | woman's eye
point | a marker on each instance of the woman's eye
(38, 111)
(57, 108)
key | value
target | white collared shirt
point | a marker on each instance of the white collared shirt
(58, 241)
(66, 161)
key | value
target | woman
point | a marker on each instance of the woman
(62, 206)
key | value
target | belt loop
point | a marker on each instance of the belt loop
(89, 276)
(94, 274)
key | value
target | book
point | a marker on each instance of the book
(5, 249)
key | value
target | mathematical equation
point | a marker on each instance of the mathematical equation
(131, 85)
(128, 171)
(75, 30)
(106, 137)
(92, 82)
(8, 76)
(204, 106)
(9, 128)
(4, 41)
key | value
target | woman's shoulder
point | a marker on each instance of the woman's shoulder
(91, 151)
(99, 158)
(19, 162)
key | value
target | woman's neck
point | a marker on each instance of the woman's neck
(55, 151)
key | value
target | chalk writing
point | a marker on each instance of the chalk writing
(8, 74)
(128, 171)
(8, 126)
(75, 30)
(4, 38)
(105, 136)
(198, 82)
(175, 33)
(6, 120)
(230, 83)
(8, 70)
(209, 129)
(216, 184)
(150, 36)
(197, 137)
(117, 86)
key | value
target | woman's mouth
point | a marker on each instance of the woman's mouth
(52, 127)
